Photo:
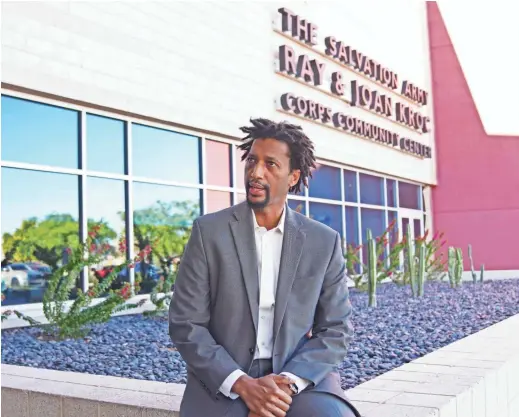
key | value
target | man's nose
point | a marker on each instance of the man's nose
(258, 170)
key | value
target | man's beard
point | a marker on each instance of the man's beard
(258, 204)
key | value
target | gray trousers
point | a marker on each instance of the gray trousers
(305, 404)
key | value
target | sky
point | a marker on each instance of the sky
(486, 39)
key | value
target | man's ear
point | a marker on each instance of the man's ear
(294, 177)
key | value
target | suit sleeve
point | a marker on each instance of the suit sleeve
(189, 316)
(332, 329)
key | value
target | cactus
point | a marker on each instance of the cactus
(459, 266)
(421, 271)
(372, 271)
(410, 261)
(482, 271)
(474, 276)
(452, 266)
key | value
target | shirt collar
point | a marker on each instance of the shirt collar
(281, 225)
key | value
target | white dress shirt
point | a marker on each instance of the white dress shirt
(269, 244)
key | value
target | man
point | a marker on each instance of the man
(261, 311)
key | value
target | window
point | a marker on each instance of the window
(165, 155)
(328, 214)
(239, 169)
(162, 214)
(409, 195)
(350, 186)
(391, 192)
(106, 208)
(371, 189)
(298, 205)
(38, 133)
(217, 200)
(218, 163)
(39, 224)
(372, 219)
(325, 183)
(105, 144)
(352, 226)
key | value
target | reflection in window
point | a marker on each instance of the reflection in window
(38, 133)
(105, 208)
(409, 195)
(391, 192)
(39, 223)
(352, 225)
(392, 216)
(217, 200)
(239, 169)
(371, 189)
(218, 163)
(417, 226)
(375, 220)
(328, 214)
(105, 144)
(166, 155)
(162, 215)
(350, 186)
(240, 198)
(297, 205)
(325, 183)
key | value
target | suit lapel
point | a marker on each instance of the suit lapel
(243, 234)
(293, 241)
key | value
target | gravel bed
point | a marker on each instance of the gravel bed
(400, 330)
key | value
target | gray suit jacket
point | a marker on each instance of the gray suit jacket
(213, 315)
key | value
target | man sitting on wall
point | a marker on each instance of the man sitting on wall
(253, 280)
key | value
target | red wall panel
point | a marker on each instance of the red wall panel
(476, 200)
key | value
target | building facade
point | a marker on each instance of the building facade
(127, 115)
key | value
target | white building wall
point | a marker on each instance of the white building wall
(211, 65)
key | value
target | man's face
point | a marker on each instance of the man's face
(267, 173)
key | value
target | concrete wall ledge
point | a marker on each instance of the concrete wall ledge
(477, 376)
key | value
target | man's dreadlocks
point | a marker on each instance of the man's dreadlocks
(301, 147)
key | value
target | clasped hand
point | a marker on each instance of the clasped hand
(268, 396)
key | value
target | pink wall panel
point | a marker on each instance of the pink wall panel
(477, 197)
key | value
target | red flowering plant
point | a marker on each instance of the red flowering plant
(72, 318)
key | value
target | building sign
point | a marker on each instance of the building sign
(312, 72)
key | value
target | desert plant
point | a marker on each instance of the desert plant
(452, 266)
(410, 261)
(459, 266)
(71, 319)
(161, 294)
(481, 272)
(372, 271)
(421, 270)
(474, 276)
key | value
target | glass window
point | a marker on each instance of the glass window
(409, 195)
(106, 208)
(352, 225)
(375, 220)
(239, 167)
(371, 189)
(392, 218)
(297, 205)
(38, 133)
(217, 200)
(218, 163)
(350, 186)
(372, 219)
(240, 197)
(105, 144)
(166, 155)
(325, 183)
(391, 192)
(417, 226)
(39, 224)
(162, 214)
(328, 214)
